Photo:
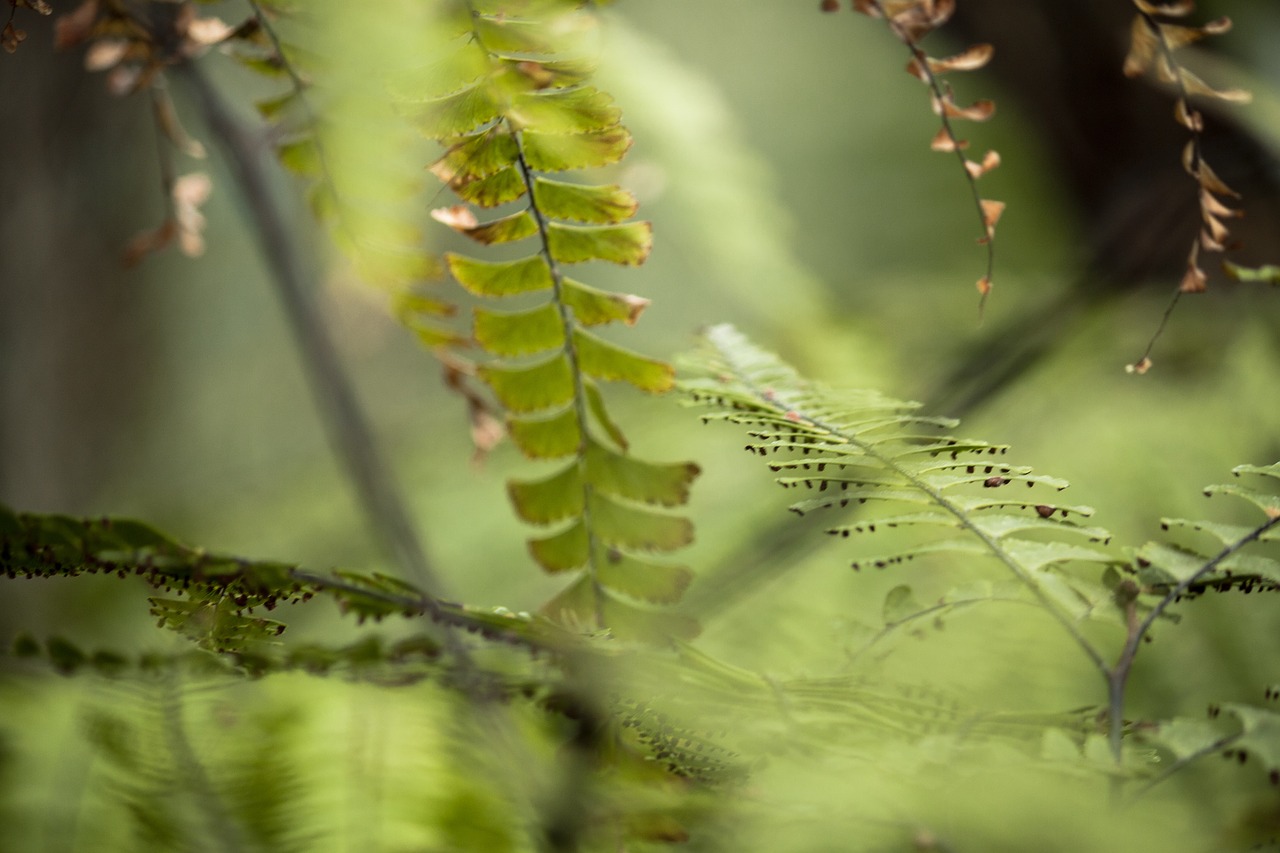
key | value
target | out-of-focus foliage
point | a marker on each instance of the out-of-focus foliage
(998, 671)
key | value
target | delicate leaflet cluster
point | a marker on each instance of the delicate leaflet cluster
(512, 106)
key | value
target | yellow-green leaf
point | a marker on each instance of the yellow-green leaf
(595, 404)
(580, 604)
(552, 152)
(530, 388)
(501, 278)
(598, 205)
(476, 156)
(550, 499)
(301, 156)
(648, 482)
(521, 332)
(562, 551)
(593, 307)
(648, 580)
(455, 114)
(504, 185)
(627, 244)
(548, 436)
(576, 110)
(506, 229)
(603, 360)
(624, 526)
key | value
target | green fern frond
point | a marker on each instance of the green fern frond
(1247, 560)
(216, 598)
(512, 106)
(861, 448)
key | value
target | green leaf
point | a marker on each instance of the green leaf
(627, 244)
(550, 73)
(551, 499)
(456, 114)
(301, 156)
(900, 603)
(1268, 503)
(568, 549)
(647, 580)
(273, 108)
(530, 388)
(520, 332)
(599, 205)
(550, 152)
(1260, 735)
(609, 362)
(648, 482)
(575, 110)
(592, 307)
(595, 404)
(476, 156)
(517, 35)
(504, 185)
(500, 278)
(548, 437)
(508, 229)
(624, 526)
(576, 607)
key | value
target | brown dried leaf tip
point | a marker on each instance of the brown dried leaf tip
(184, 222)
(12, 36)
(910, 21)
(134, 45)
(1156, 35)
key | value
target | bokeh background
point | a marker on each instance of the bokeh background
(783, 157)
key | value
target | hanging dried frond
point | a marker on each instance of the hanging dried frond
(910, 21)
(1155, 36)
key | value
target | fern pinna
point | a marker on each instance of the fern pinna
(512, 104)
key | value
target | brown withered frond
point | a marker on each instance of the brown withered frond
(1155, 36)
(910, 21)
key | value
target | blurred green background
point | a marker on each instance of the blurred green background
(783, 157)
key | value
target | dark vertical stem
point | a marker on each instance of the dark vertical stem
(344, 420)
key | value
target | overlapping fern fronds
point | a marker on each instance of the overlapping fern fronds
(512, 105)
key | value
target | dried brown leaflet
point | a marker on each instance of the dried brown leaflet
(910, 21)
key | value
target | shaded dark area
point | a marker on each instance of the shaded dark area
(77, 178)
(1117, 152)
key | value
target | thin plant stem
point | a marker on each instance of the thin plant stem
(348, 428)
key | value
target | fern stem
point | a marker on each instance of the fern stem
(568, 325)
(349, 431)
(580, 405)
(1118, 675)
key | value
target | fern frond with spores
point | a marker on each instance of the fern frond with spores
(861, 448)
(513, 105)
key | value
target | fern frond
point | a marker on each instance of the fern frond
(866, 449)
(217, 598)
(1247, 559)
(512, 106)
